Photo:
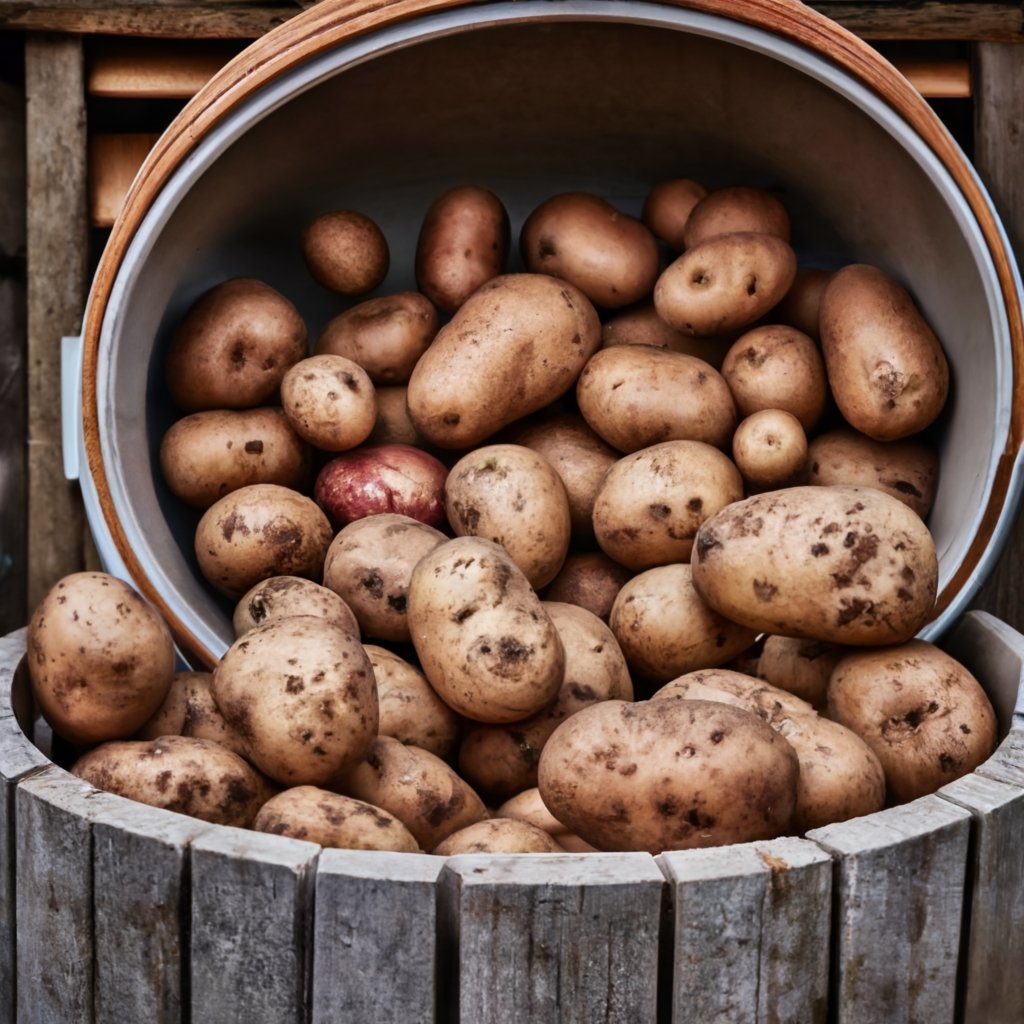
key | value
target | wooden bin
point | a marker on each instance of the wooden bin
(115, 911)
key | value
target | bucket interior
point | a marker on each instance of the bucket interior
(529, 100)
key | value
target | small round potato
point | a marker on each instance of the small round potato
(589, 579)
(652, 502)
(735, 208)
(724, 283)
(260, 531)
(384, 335)
(233, 346)
(332, 820)
(191, 776)
(330, 402)
(346, 251)
(498, 835)
(100, 658)
(667, 207)
(513, 496)
(641, 325)
(281, 596)
(800, 666)
(581, 238)
(208, 454)
(770, 450)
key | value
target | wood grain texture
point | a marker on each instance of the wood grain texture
(114, 160)
(154, 68)
(551, 937)
(375, 951)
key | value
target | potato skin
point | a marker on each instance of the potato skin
(640, 325)
(634, 396)
(800, 666)
(281, 596)
(531, 328)
(498, 835)
(233, 346)
(589, 579)
(100, 658)
(842, 564)
(886, 367)
(635, 776)
(330, 402)
(482, 636)
(191, 776)
(735, 208)
(668, 206)
(208, 454)
(346, 252)
(769, 448)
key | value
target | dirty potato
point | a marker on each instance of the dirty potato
(281, 596)
(498, 835)
(330, 402)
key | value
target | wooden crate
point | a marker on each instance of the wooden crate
(117, 912)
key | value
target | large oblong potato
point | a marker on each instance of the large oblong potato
(481, 633)
(530, 329)
(844, 564)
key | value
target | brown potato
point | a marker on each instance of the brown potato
(281, 596)
(340, 822)
(769, 448)
(907, 469)
(463, 243)
(346, 251)
(302, 694)
(589, 579)
(641, 325)
(667, 207)
(528, 806)
(800, 666)
(886, 367)
(498, 835)
(330, 402)
(393, 424)
(529, 328)
(724, 283)
(100, 659)
(233, 346)
(842, 564)
(260, 531)
(634, 396)
(801, 305)
(581, 238)
(384, 335)
(652, 502)
(208, 454)
(512, 495)
(735, 208)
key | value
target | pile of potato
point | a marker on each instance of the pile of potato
(622, 551)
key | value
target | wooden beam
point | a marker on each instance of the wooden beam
(114, 160)
(154, 68)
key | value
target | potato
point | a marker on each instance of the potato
(801, 305)
(100, 659)
(384, 335)
(463, 243)
(589, 579)
(769, 448)
(668, 774)
(208, 454)
(346, 252)
(482, 636)
(259, 531)
(393, 424)
(668, 205)
(532, 329)
(800, 666)
(777, 367)
(652, 502)
(529, 807)
(886, 367)
(233, 346)
(369, 564)
(512, 495)
(665, 628)
(332, 820)
(410, 710)
(415, 786)
(843, 564)
(302, 694)
(498, 835)
(724, 283)
(634, 396)
(330, 402)
(769, 703)
(281, 596)
(735, 208)
(578, 456)
(581, 238)
(924, 714)
(191, 776)
(907, 469)
(641, 325)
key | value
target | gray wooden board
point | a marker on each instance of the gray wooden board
(992, 975)
(751, 932)
(551, 937)
(375, 938)
(251, 913)
(898, 905)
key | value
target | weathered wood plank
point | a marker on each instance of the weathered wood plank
(552, 937)
(375, 938)
(114, 160)
(57, 283)
(751, 932)
(154, 68)
(251, 917)
(991, 979)
(899, 891)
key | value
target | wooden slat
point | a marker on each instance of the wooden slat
(375, 938)
(154, 69)
(552, 937)
(938, 79)
(114, 160)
